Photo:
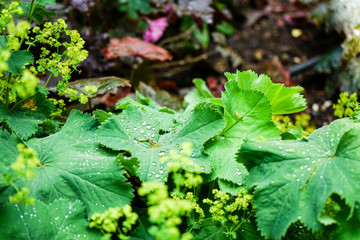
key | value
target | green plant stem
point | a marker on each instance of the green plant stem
(47, 81)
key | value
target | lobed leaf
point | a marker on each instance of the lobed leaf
(138, 133)
(25, 119)
(61, 219)
(284, 100)
(247, 115)
(74, 166)
(167, 118)
(19, 59)
(293, 179)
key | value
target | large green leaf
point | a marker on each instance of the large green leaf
(60, 220)
(8, 154)
(18, 59)
(25, 119)
(248, 115)
(168, 119)
(293, 179)
(130, 130)
(74, 166)
(284, 100)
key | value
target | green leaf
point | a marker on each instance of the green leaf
(248, 115)
(168, 119)
(43, 2)
(284, 100)
(161, 97)
(3, 44)
(197, 95)
(101, 115)
(40, 11)
(8, 149)
(74, 166)
(226, 28)
(19, 59)
(293, 179)
(138, 132)
(61, 219)
(103, 84)
(25, 119)
(203, 36)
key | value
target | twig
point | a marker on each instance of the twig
(179, 36)
(184, 61)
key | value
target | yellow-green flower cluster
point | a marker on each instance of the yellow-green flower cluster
(155, 192)
(177, 162)
(83, 98)
(4, 57)
(195, 206)
(15, 32)
(226, 207)
(302, 123)
(108, 222)
(22, 196)
(345, 105)
(165, 213)
(7, 13)
(25, 162)
(59, 107)
(22, 168)
(26, 87)
(68, 54)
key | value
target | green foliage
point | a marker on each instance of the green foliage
(249, 102)
(61, 219)
(177, 170)
(143, 138)
(18, 59)
(76, 168)
(294, 179)
(24, 119)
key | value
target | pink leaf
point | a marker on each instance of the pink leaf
(155, 29)
(128, 46)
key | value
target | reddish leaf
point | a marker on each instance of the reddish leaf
(155, 29)
(128, 46)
